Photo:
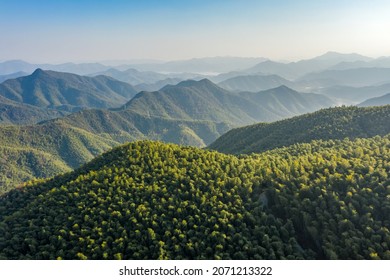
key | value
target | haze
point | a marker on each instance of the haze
(78, 31)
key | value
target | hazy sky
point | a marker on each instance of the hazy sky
(86, 30)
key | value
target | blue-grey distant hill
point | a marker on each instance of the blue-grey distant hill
(254, 83)
(377, 101)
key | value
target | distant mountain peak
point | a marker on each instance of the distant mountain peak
(332, 55)
(282, 89)
(189, 83)
(38, 72)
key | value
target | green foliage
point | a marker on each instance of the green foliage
(79, 137)
(148, 200)
(17, 113)
(325, 124)
(203, 100)
(19, 165)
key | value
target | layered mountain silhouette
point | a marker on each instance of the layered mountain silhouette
(67, 92)
(377, 101)
(12, 112)
(203, 100)
(254, 83)
(191, 113)
(12, 76)
(357, 77)
(294, 70)
(354, 95)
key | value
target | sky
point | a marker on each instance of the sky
(47, 31)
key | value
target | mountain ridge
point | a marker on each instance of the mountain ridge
(66, 91)
(325, 124)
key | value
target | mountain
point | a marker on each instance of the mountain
(358, 77)
(148, 200)
(65, 91)
(12, 112)
(157, 85)
(282, 102)
(76, 68)
(353, 95)
(77, 138)
(132, 76)
(203, 100)
(254, 83)
(44, 150)
(333, 123)
(127, 125)
(381, 62)
(193, 100)
(190, 113)
(12, 76)
(294, 70)
(336, 58)
(377, 101)
(12, 66)
(206, 66)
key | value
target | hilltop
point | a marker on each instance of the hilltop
(325, 124)
(66, 91)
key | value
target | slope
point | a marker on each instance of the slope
(282, 102)
(78, 137)
(203, 100)
(354, 95)
(67, 91)
(358, 77)
(12, 76)
(148, 200)
(377, 101)
(294, 70)
(12, 112)
(254, 83)
(334, 123)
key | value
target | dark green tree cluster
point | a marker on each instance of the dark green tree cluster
(148, 200)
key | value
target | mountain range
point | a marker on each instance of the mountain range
(254, 83)
(298, 178)
(150, 200)
(203, 100)
(377, 101)
(325, 124)
(66, 91)
(190, 113)
(357, 77)
(294, 70)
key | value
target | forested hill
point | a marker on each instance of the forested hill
(12, 112)
(66, 91)
(333, 123)
(148, 200)
(77, 138)
(204, 100)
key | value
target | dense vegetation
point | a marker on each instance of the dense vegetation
(148, 200)
(79, 137)
(333, 123)
(12, 112)
(203, 100)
